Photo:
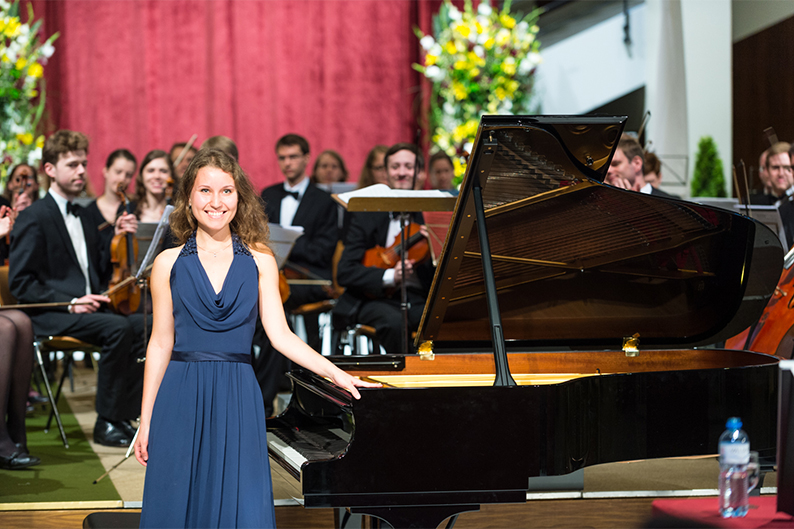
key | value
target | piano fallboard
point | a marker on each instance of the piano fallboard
(470, 445)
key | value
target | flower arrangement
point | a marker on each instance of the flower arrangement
(479, 61)
(21, 87)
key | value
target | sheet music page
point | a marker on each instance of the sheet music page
(384, 191)
(282, 239)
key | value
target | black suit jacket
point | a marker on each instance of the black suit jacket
(43, 266)
(317, 213)
(659, 193)
(366, 231)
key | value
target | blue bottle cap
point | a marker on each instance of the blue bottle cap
(734, 423)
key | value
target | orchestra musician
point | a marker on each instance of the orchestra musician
(626, 168)
(118, 172)
(778, 179)
(372, 294)
(56, 257)
(299, 202)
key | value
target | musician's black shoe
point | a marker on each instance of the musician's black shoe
(125, 427)
(18, 461)
(108, 433)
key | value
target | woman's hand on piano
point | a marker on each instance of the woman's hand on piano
(350, 383)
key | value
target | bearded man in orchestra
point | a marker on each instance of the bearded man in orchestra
(56, 257)
(372, 295)
(626, 169)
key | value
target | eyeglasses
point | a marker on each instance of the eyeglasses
(378, 167)
(785, 168)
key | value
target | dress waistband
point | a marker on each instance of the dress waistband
(210, 356)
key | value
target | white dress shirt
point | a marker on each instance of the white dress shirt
(289, 206)
(76, 234)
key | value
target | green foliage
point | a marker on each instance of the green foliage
(708, 179)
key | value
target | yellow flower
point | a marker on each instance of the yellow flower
(26, 138)
(459, 90)
(507, 21)
(5, 58)
(488, 44)
(512, 86)
(32, 94)
(21, 62)
(430, 59)
(460, 167)
(475, 60)
(500, 93)
(502, 37)
(463, 30)
(11, 28)
(450, 47)
(460, 65)
(40, 142)
(478, 26)
(474, 72)
(35, 70)
(509, 68)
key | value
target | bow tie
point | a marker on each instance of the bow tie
(72, 209)
(293, 194)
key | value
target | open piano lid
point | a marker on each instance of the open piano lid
(579, 263)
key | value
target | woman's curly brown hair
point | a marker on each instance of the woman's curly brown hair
(250, 221)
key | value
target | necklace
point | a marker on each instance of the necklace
(214, 254)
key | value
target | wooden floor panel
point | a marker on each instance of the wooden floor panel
(596, 514)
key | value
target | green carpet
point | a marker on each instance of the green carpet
(64, 475)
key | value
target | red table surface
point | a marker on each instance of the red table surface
(762, 512)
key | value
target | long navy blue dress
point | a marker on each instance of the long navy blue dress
(208, 463)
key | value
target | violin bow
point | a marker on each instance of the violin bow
(184, 152)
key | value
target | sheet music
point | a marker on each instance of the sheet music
(158, 236)
(282, 239)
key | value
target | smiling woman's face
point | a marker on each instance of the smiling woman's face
(213, 200)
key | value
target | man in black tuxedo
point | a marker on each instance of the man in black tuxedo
(56, 257)
(298, 202)
(372, 295)
(626, 169)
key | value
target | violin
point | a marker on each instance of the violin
(125, 295)
(416, 246)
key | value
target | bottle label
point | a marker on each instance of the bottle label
(734, 453)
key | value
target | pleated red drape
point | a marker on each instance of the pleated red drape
(145, 74)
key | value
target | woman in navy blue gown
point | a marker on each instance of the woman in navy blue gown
(202, 434)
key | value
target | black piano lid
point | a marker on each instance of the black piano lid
(580, 264)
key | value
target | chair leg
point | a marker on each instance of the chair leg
(53, 403)
(68, 360)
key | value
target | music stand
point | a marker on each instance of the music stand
(381, 198)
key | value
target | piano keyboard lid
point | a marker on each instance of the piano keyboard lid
(578, 263)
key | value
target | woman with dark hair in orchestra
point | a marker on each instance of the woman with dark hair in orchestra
(16, 365)
(329, 168)
(202, 433)
(151, 186)
(374, 170)
(118, 172)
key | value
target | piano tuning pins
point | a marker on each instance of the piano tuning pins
(589, 161)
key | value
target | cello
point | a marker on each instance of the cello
(774, 332)
(124, 294)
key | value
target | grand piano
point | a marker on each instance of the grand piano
(561, 331)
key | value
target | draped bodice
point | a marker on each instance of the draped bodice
(214, 323)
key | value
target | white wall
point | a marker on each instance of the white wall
(593, 67)
(708, 48)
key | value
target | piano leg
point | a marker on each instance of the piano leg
(416, 517)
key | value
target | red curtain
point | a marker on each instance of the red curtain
(145, 74)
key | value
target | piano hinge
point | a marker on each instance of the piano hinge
(426, 351)
(631, 345)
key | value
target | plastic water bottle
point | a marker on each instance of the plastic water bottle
(734, 460)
